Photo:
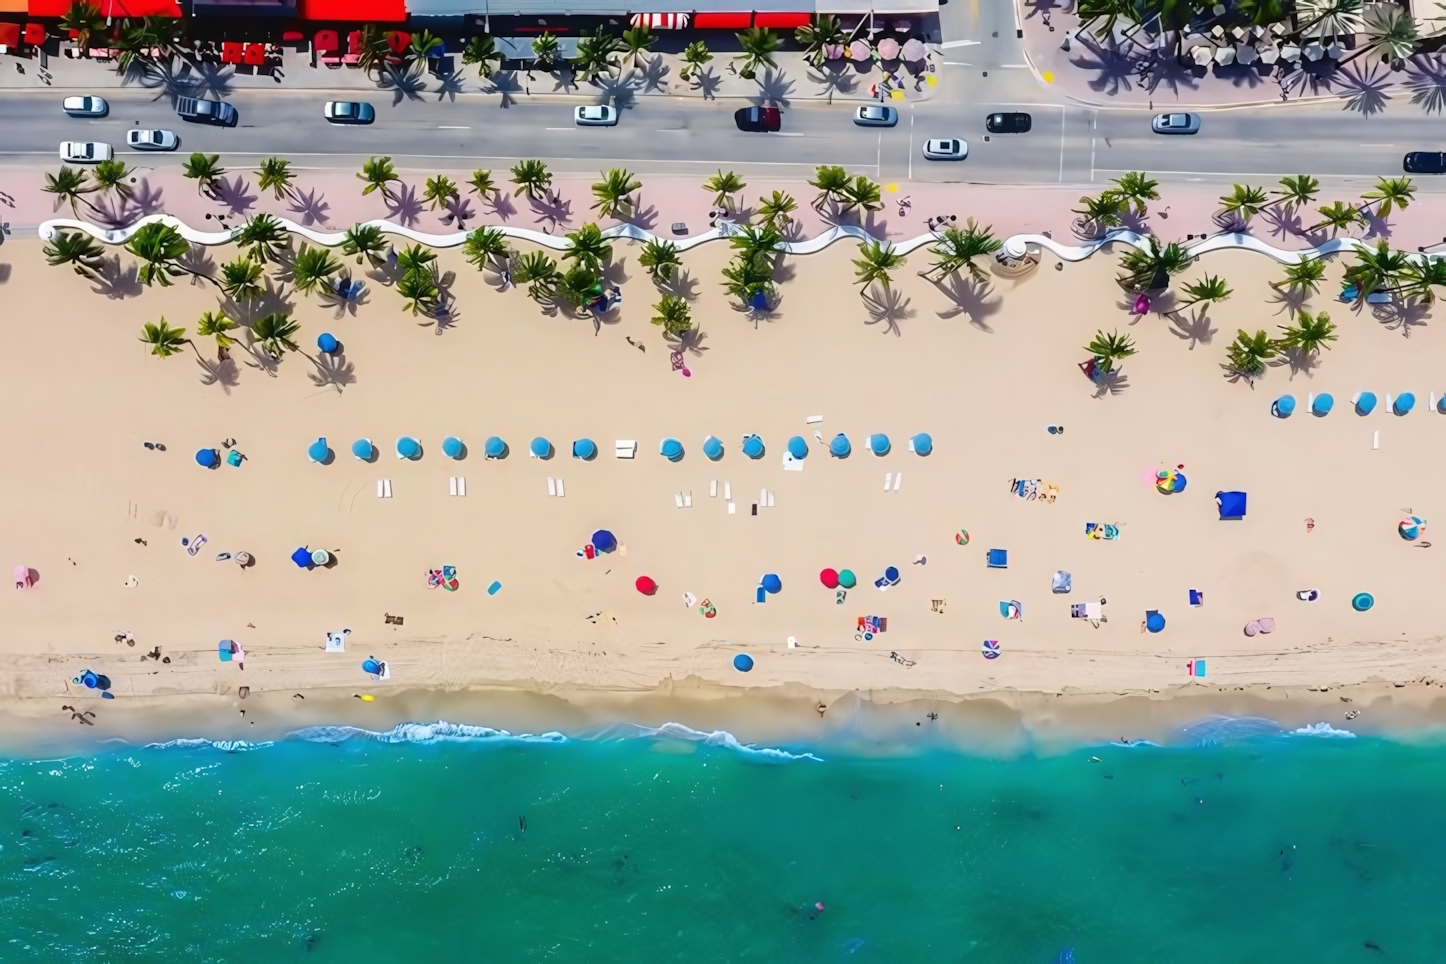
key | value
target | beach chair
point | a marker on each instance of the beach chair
(998, 559)
(625, 448)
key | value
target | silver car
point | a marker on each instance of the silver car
(1175, 123)
(142, 140)
(946, 149)
(595, 115)
(876, 115)
(84, 152)
(348, 112)
(85, 106)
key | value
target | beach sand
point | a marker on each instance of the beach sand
(983, 374)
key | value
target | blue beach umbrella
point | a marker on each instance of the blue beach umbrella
(1154, 622)
(540, 448)
(1365, 403)
(302, 557)
(604, 541)
(207, 458)
(1362, 601)
(743, 662)
(771, 583)
(326, 343)
(712, 448)
(452, 447)
(584, 448)
(408, 448)
(922, 443)
(1323, 404)
(495, 448)
(370, 665)
(318, 451)
(839, 446)
(1283, 406)
(362, 448)
(797, 447)
(671, 449)
(753, 447)
(1404, 403)
(879, 443)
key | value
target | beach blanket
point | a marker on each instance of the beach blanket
(1032, 489)
(1102, 530)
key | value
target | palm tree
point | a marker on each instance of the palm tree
(1209, 290)
(637, 42)
(365, 240)
(745, 278)
(276, 333)
(213, 324)
(313, 268)
(68, 185)
(373, 52)
(1243, 202)
(759, 45)
(419, 291)
(439, 190)
(594, 53)
(416, 259)
(1389, 191)
(378, 173)
(1378, 269)
(876, 259)
(777, 209)
(579, 285)
(1304, 277)
(262, 238)
(751, 241)
(77, 249)
(863, 193)
(831, 181)
(1100, 16)
(484, 246)
(1309, 334)
(587, 246)
(1108, 349)
(533, 178)
(1392, 31)
(111, 176)
(1262, 13)
(1297, 191)
(206, 171)
(673, 314)
(957, 249)
(164, 340)
(1328, 18)
(240, 280)
(545, 47)
(723, 186)
(823, 30)
(482, 184)
(1150, 269)
(1137, 188)
(422, 45)
(482, 50)
(1337, 216)
(614, 193)
(85, 21)
(660, 258)
(159, 248)
(275, 175)
(539, 273)
(695, 55)
(1421, 277)
(1247, 354)
(1105, 211)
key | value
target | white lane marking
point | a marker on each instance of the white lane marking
(1061, 145)
(960, 43)
(1154, 171)
(560, 128)
(784, 133)
(1376, 145)
(444, 127)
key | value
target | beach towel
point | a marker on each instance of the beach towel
(1102, 530)
(1011, 609)
(991, 649)
(873, 624)
(1026, 488)
(1062, 582)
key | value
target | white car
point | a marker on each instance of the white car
(85, 106)
(595, 115)
(946, 149)
(141, 140)
(84, 152)
(348, 112)
(876, 115)
(1175, 124)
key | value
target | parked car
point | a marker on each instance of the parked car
(1175, 123)
(767, 120)
(945, 149)
(206, 111)
(876, 115)
(1016, 123)
(348, 112)
(595, 115)
(1425, 162)
(85, 106)
(84, 152)
(143, 140)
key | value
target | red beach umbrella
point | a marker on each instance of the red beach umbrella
(829, 577)
(646, 586)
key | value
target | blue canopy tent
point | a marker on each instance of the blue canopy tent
(840, 446)
(753, 447)
(363, 449)
(1404, 403)
(1232, 504)
(712, 448)
(921, 444)
(302, 557)
(1365, 403)
(540, 448)
(585, 449)
(453, 448)
(671, 449)
(1283, 406)
(318, 451)
(771, 583)
(326, 343)
(408, 448)
(495, 448)
(604, 541)
(879, 443)
(797, 447)
(207, 458)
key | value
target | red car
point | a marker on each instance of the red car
(765, 119)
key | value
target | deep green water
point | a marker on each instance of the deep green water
(1286, 849)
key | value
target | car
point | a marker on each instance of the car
(348, 112)
(206, 111)
(595, 115)
(945, 149)
(765, 120)
(1175, 123)
(1425, 162)
(1008, 123)
(876, 115)
(85, 106)
(143, 140)
(84, 152)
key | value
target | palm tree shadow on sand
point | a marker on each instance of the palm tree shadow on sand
(689, 341)
(1195, 329)
(887, 307)
(116, 282)
(976, 302)
(1111, 383)
(332, 371)
(1299, 362)
(1404, 317)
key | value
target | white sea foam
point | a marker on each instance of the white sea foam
(1214, 730)
(423, 733)
(1323, 729)
(228, 746)
(722, 738)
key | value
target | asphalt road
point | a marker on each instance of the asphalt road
(1070, 145)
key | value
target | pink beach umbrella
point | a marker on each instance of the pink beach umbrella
(646, 585)
(888, 49)
(833, 51)
(859, 50)
(1141, 305)
(915, 51)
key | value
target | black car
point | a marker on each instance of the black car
(759, 119)
(1425, 162)
(1008, 123)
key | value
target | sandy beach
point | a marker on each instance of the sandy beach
(983, 372)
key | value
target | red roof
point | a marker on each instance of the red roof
(110, 8)
(761, 19)
(722, 21)
(354, 11)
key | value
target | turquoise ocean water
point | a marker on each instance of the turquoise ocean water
(445, 843)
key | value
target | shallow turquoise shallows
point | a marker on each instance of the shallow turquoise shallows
(1289, 848)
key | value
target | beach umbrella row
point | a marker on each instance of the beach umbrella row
(1364, 404)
